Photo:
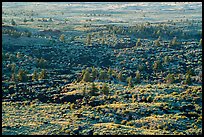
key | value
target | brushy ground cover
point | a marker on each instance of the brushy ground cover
(162, 109)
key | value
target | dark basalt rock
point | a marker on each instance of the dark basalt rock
(95, 103)
(59, 98)
(190, 115)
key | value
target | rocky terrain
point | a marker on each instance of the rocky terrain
(101, 72)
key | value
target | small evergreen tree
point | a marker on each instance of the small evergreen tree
(170, 78)
(138, 43)
(42, 75)
(188, 79)
(13, 77)
(13, 22)
(120, 76)
(173, 42)
(13, 67)
(105, 89)
(157, 43)
(137, 77)
(86, 76)
(84, 91)
(157, 65)
(200, 42)
(93, 90)
(102, 75)
(166, 59)
(22, 76)
(129, 81)
(94, 73)
(110, 71)
(25, 20)
(191, 72)
(34, 76)
(41, 63)
(141, 67)
(103, 41)
(83, 72)
(62, 38)
(88, 39)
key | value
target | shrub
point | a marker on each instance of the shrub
(72, 106)
(149, 99)
(123, 122)
(134, 98)
(129, 123)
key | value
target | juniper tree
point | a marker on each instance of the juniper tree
(200, 42)
(170, 78)
(110, 71)
(41, 63)
(13, 22)
(137, 77)
(93, 89)
(166, 59)
(157, 65)
(103, 75)
(84, 91)
(188, 79)
(129, 81)
(22, 76)
(120, 76)
(157, 43)
(25, 20)
(13, 77)
(105, 89)
(190, 71)
(13, 67)
(62, 38)
(173, 42)
(94, 73)
(42, 74)
(103, 41)
(86, 76)
(34, 76)
(88, 39)
(138, 43)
